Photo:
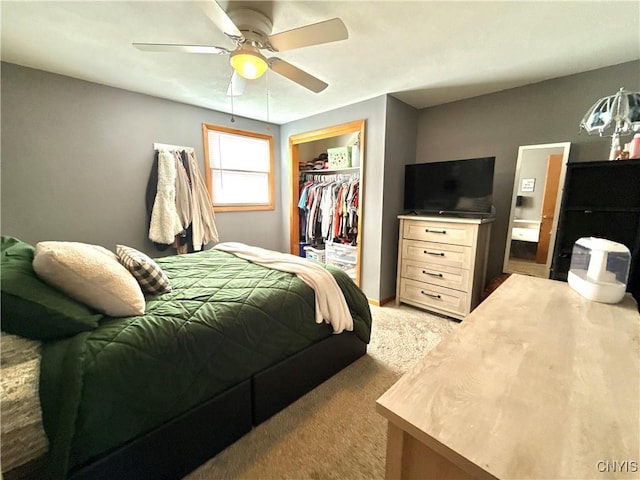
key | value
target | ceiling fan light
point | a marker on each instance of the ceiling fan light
(249, 63)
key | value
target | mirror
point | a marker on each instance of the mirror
(537, 192)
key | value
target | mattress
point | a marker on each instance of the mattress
(22, 435)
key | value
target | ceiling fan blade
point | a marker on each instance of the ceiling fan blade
(220, 19)
(176, 48)
(324, 32)
(296, 75)
(236, 85)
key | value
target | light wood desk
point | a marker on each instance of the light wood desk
(537, 382)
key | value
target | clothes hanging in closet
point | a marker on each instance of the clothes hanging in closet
(328, 209)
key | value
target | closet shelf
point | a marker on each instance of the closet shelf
(330, 170)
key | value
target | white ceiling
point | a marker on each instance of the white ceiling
(424, 53)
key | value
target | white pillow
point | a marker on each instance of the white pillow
(92, 275)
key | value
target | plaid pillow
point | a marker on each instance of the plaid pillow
(148, 273)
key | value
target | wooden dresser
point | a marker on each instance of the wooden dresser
(442, 263)
(537, 383)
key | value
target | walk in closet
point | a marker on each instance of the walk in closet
(326, 200)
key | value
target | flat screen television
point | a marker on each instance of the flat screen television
(455, 187)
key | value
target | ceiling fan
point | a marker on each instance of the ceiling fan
(250, 30)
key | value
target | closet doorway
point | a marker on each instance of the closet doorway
(302, 143)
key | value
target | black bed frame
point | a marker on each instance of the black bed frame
(182, 444)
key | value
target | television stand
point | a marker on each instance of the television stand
(442, 262)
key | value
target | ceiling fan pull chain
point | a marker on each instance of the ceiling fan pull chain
(267, 83)
(232, 117)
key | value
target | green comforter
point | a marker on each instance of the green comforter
(225, 320)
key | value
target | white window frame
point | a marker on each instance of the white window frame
(210, 129)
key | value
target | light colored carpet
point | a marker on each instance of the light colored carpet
(334, 432)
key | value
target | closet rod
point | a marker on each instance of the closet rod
(166, 146)
(331, 178)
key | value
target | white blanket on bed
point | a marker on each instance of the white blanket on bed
(331, 305)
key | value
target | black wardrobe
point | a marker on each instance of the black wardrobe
(600, 199)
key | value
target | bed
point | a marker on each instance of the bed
(156, 395)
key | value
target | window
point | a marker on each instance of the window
(239, 168)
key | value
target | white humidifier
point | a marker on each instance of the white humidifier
(599, 269)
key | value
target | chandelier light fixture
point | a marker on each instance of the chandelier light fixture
(249, 62)
(614, 116)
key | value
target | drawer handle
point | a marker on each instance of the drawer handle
(430, 294)
(437, 254)
(432, 274)
(435, 231)
(588, 211)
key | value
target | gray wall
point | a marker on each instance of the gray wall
(497, 124)
(76, 157)
(399, 150)
(373, 112)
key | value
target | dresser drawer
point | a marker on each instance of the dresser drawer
(433, 296)
(451, 233)
(449, 277)
(437, 253)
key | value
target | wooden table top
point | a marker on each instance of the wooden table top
(537, 382)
